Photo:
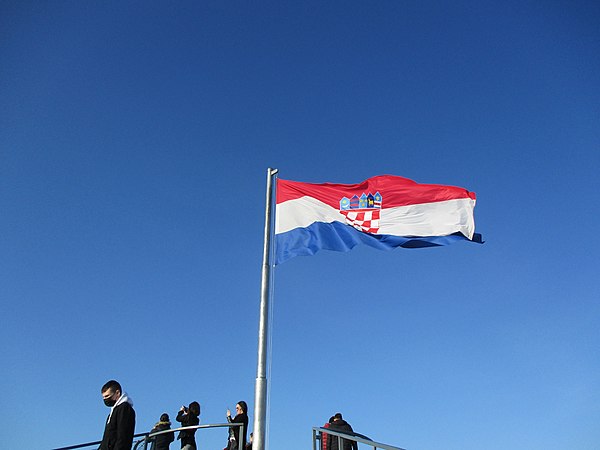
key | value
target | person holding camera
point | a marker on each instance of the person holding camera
(241, 416)
(188, 417)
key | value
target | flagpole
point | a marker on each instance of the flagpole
(260, 387)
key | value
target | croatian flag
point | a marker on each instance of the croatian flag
(384, 212)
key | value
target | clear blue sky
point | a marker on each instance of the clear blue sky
(134, 143)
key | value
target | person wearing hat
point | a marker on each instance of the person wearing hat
(163, 440)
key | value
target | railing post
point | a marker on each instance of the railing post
(242, 431)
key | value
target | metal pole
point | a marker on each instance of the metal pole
(260, 387)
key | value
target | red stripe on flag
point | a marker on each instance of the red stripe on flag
(395, 191)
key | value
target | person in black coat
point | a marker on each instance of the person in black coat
(341, 426)
(188, 417)
(241, 416)
(120, 424)
(162, 441)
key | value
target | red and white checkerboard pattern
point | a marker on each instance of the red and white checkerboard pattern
(366, 220)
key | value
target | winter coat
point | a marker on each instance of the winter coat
(341, 426)
(235, 431)
(187, 436)
(162, 441)
(120, 426)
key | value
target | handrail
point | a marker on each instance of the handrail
(72, 447)
(316, 430)
(350, 437)
(145, 441)
(148, 435)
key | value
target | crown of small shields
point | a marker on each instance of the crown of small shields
(365, 201)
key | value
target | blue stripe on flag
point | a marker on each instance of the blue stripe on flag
(342, 238)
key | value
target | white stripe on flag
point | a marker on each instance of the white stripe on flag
(426, 219)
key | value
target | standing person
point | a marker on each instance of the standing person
(162, 441)
(241, 416)
(188, 417)
(324, 435)
(249, 444)
(120, 425)
(341, 426)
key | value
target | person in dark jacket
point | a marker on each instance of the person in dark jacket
(241, 416)
(162, 441)
(120, 425)
(188, 417)
(341, 426)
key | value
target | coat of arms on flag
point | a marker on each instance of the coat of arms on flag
(363, 213)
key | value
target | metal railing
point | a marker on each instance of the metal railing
(142, 444)
(146, 438)
(317, 436)
(341, 437)
(95, 444)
